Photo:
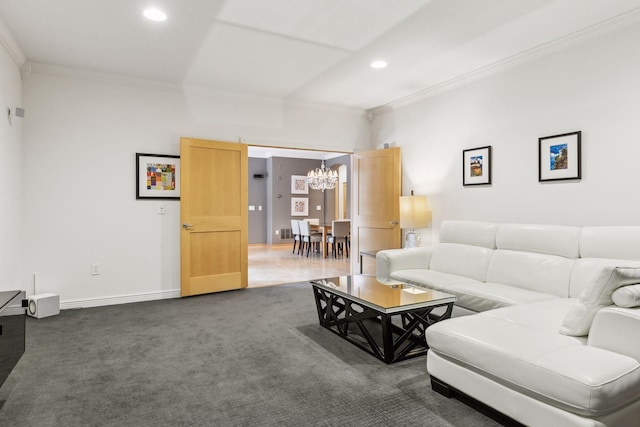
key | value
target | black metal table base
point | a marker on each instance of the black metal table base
(389, 337)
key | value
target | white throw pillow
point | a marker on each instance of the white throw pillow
(627, 296)
(598, 294)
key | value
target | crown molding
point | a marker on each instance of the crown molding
(595, 31)
(78, 73)
(11, 46)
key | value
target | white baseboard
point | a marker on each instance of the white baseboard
(122, 299)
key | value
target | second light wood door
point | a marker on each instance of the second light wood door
(377, 185)
(213, 215)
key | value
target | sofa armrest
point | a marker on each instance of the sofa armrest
(616, 329)
(390, 260)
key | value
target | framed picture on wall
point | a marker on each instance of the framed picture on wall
(299, 184)
(559, 157)
(299, 206)
(157, 176)
(476, 166)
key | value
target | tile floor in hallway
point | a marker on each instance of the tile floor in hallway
(275, 264)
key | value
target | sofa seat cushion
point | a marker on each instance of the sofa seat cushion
(431, 279)
(544, 315)
(557, 369)
(488, 296)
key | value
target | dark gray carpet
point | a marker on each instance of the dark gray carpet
(255, 357)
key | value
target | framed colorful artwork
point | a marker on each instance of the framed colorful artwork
(299, 206)
(559, 157)
(157, 176)
(476, 166)
(299, 184)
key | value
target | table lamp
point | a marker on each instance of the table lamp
(413, 214)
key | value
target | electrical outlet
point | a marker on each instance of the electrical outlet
(95, 269)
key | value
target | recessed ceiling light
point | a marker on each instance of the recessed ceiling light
(378, 64)
(155, 15)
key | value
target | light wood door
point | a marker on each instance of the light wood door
(377, 186)
(213, 216)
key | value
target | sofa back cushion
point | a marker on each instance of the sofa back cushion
(462, 260)
(474, 233)
(615, 242)
(536, 257)
(539, 238)
(549, 274)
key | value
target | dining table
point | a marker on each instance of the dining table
(325, 229)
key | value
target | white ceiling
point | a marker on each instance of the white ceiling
(304, 50)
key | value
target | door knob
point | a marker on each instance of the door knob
(187, 226)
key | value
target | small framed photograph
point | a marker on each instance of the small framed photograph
(476, 166)
(299, 206)
(299, 184)
(157, 176)
(559, 157)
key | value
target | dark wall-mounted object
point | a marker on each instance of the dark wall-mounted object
(258, 175)
(12, 331)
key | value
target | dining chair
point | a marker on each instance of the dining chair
(339, 237)
(307, 237)
(295, 230)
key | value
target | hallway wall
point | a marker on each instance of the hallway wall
(258, 200)
(79, 178)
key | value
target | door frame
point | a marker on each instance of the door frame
(275, 148)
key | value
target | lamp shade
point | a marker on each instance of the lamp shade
(414, 212)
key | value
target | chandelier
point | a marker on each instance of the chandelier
(322, 178)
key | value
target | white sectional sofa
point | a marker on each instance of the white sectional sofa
(546, 328)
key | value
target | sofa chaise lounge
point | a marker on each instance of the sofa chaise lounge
(546, 328)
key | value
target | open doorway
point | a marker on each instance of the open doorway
(272, 196)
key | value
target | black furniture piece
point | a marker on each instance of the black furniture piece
(369, 254)
(12, 327)
(388, 321)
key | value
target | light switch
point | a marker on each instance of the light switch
(252, 208)
(260, 207)
(95, 269)
(318, 208)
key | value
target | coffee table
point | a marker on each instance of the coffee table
(387, 320)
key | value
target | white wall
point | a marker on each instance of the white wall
(593, 87)
(82, 131)
(10, 174)
(80, 143)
